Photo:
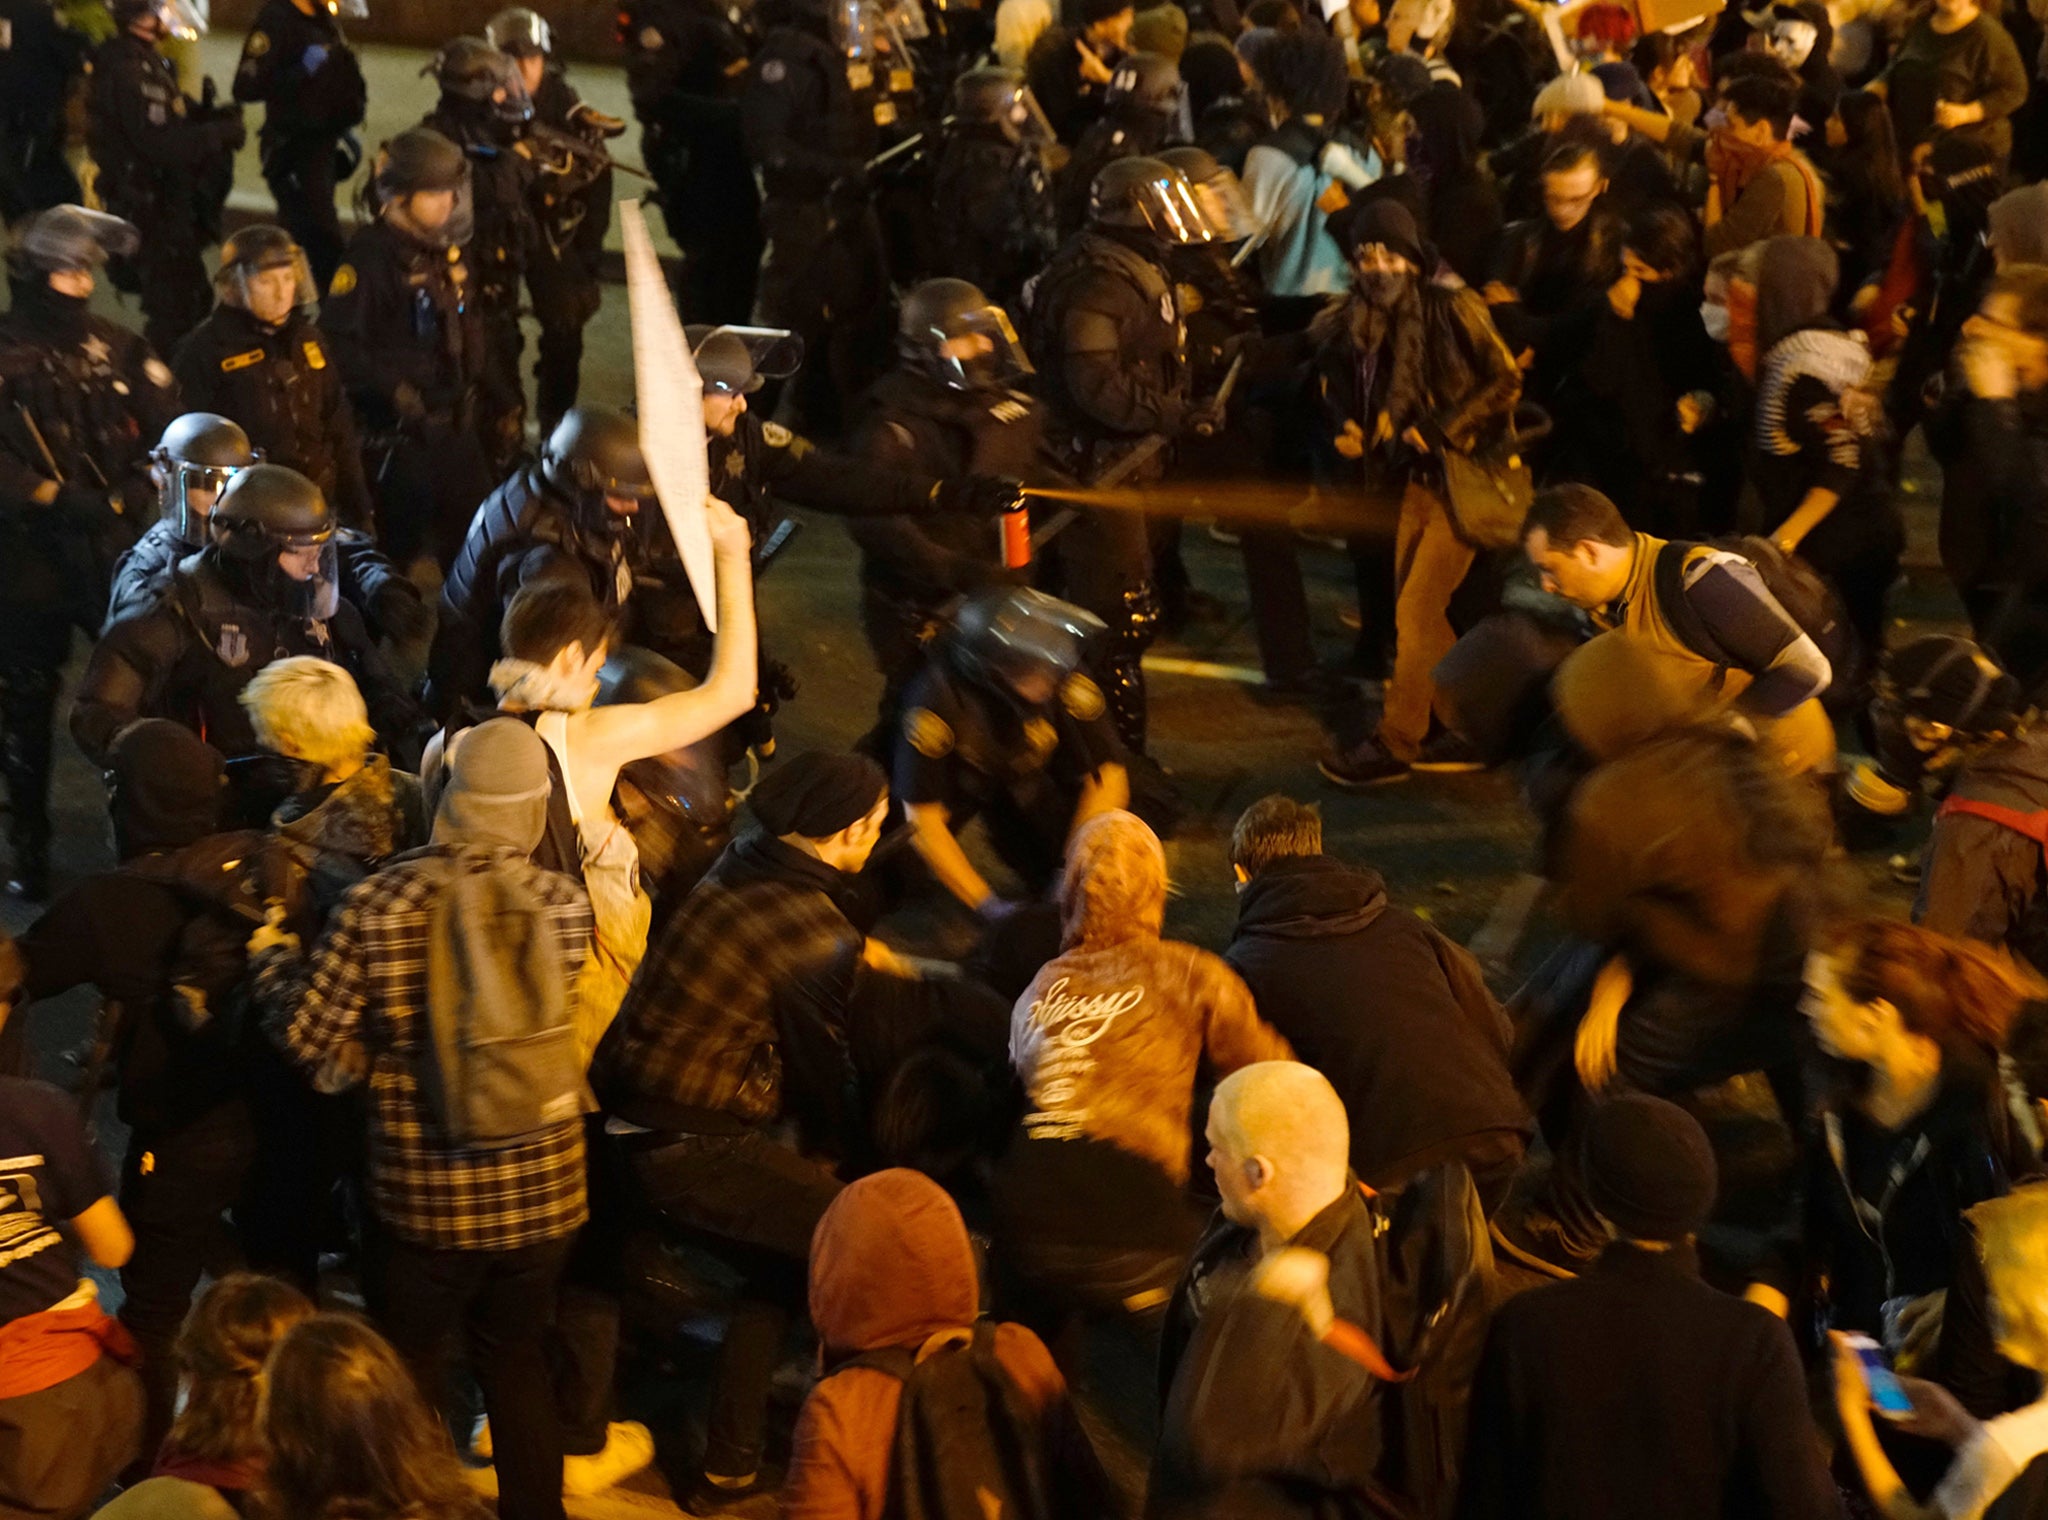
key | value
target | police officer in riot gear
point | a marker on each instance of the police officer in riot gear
(411, 349)
(261, 359)
(686, 65)
(192, 463)
(484, 110)
(813, 115)
(266, 587)
(165, 161)
(298, 64)
(952, 404)
(991, 191)
(1144, 110)
(572, 205)
(37, 67)
(81, 400)
(1003, 724)
(1107, 335)
(569, 516)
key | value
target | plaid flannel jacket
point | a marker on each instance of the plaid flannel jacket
(699, 1028)
(365, 985)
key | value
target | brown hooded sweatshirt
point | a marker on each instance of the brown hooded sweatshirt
(891, 1265)
(1107, 1037)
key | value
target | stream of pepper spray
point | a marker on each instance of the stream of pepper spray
(1339, 513)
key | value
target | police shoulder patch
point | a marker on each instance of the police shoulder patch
(776, 435)
(257, 45)
(774, 71)
(234, 362)
(343, 282)
(1082, 697)
(929, 734)
(159, 373)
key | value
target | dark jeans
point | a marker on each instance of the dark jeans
(503, 1302)
(176, 1188)
(758, 1201)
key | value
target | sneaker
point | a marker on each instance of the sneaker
(480, 1439)
(1364, 765)
(628, 1447)
(1223, 535)
(706, 1497)
(1449, 755)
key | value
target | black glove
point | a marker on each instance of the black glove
(230, 132)
(983, 495)
(400, 613)
(87, 506)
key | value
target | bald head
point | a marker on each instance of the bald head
(1280, 1145)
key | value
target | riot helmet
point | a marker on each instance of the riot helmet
(520, 33)
(266, 516)
(353, 10)
(1936, 699)
(1146, 195)
(1018, 643)
(737, 361)
(1225, 209)
(186, 19)
(68, 239)
(677, 804)
(1000, 98)
(952, 332)
(265, 273)
(1145, 82)
(423, 162)
(194, 461)
(476, 77)
(857, 27)
(593, 455)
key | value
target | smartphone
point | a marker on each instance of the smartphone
(1887, 1397)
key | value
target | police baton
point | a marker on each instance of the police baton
(889, 155)
(778, 540)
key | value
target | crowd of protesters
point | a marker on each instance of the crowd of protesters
(477, 1040)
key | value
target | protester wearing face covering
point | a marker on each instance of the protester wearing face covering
(1814, 458)
(461, 1235)
(1403, 366)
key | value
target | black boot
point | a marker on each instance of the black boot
(28, 708)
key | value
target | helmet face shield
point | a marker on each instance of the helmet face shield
(1026, 121)
(977, 350)
(271, 286)
(72, 238)
(190, 490)
(184, 19)
(737, 361)
(1023, 644)
(308, 579)
(349, 10)
(415, 213)
(1226, 210)
(856, 24)
(1167, 205)
(520, 32)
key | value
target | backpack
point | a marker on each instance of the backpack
(499, 1061)
(966, 1447)
(223, 882)
(1807, 599)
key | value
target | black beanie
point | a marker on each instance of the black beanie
(816, 794)
(166, 787)
(1649, 1169)
(1380, 220)
(1093, 11)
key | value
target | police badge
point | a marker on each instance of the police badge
(233, 647)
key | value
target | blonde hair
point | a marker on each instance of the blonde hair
(1018, 25)
(309, 709)
(2012, 1241)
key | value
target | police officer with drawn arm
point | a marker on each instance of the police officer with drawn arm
(1003, 724)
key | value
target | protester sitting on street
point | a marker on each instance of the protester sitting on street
(893, 1287)
(728, 1075)
(476, 1170)
(1395, 1014)
(214, 1457)
(1639, 1389)
(71, 1406)
(1108, 1039)
(349, 1434)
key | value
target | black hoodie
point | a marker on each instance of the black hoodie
(1395, 1015)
